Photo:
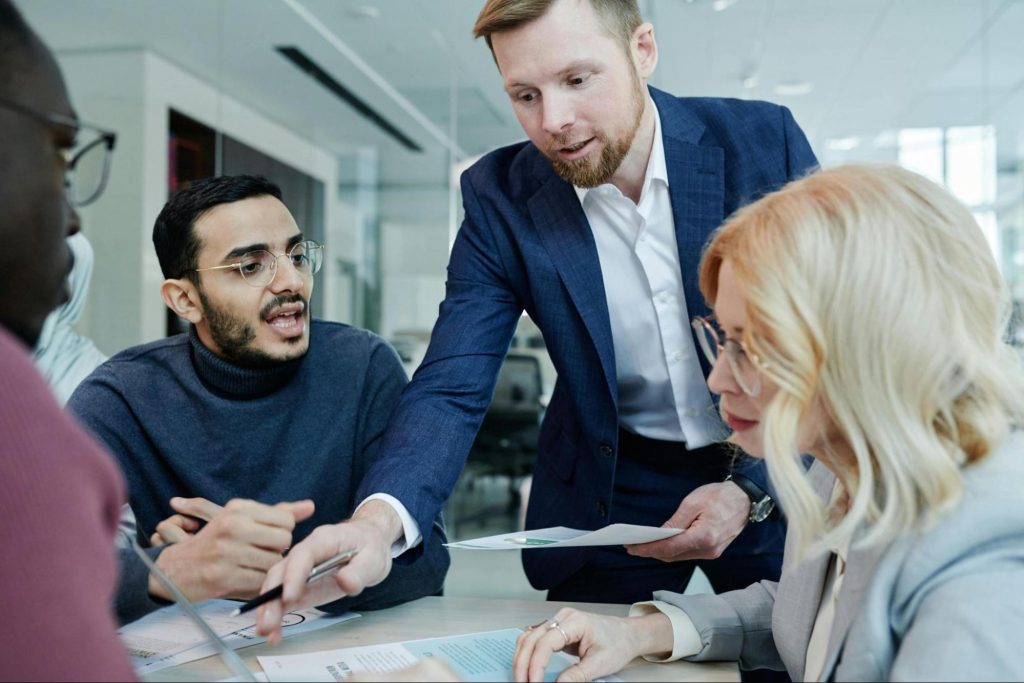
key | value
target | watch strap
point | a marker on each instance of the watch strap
(758, 496)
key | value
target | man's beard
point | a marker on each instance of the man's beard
(234, 335)
(585, 173)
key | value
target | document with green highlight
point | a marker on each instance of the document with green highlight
(563, 537)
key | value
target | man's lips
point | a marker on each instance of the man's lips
(291, 309)
(285, 321)
(287, 316)
(738, 424)
(576, 150)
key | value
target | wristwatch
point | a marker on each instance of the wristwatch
(761, 504)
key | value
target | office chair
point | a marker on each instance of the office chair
(506, 444)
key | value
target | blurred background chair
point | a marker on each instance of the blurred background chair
(506, 445)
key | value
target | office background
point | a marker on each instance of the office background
(366, 111)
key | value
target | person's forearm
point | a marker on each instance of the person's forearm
(382, 516)
(652, 634)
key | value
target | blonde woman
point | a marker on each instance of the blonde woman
(859, 317)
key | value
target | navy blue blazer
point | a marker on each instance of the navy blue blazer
(525, 244)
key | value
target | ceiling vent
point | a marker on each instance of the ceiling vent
(317, 73)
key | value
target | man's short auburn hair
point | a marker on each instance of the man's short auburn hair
(619, 17)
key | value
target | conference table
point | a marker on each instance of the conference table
(441, 616)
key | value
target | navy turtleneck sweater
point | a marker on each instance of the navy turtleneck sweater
(182, 421)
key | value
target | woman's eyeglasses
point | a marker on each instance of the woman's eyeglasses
(745, 367)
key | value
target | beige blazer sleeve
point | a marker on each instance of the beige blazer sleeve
(752, 626)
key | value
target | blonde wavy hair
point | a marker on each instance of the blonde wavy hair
(872, 293)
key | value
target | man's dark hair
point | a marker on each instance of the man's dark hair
(174, 236)
(17, 41)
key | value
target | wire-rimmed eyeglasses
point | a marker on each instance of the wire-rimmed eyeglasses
(88, 163)
(746, 368)
(259, 267)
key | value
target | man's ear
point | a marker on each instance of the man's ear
(182, 297)
(644, 50)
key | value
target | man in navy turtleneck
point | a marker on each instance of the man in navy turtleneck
(241, 437)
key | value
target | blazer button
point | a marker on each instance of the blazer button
(602, 509)
(606, 450)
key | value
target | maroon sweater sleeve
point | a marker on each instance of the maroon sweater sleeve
(60, 499)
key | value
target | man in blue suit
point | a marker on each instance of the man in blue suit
(595, 228)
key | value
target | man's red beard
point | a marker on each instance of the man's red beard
(586, 171)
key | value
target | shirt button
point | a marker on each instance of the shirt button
(606, 450)
(677, 356)
(665, 297)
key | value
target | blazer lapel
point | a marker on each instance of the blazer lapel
(697, 188)
(860, 569)
(566, 234)
(802, 586)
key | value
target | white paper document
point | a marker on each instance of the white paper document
(563, 537)
(258, 675)
(168, 637)
(474, 657)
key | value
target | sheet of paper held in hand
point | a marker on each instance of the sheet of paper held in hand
(562, 537)
(483, 656)
(168, 637)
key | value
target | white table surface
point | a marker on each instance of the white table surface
(441, 616)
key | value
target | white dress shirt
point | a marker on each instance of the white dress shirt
(662, 391)
(411, 535)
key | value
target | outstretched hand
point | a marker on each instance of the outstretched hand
(371, 532)
(712, 516)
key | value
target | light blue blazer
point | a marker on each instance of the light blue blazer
(945, 603)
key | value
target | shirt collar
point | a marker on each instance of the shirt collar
(657, 169)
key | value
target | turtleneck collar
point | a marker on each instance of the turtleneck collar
(234, 380)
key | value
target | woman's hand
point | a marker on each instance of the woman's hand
(604, 644)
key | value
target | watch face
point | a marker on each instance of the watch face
(760, 510)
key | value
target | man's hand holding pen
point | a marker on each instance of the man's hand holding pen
(370, 531)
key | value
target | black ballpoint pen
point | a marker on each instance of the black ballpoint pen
(320, 571)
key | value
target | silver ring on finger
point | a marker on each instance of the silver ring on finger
(554, 625)
(537, 625)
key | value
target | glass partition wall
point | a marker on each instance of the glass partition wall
(374, 107)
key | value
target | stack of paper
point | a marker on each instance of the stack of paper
(474, 657)
(562, 537)
(168, 637)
